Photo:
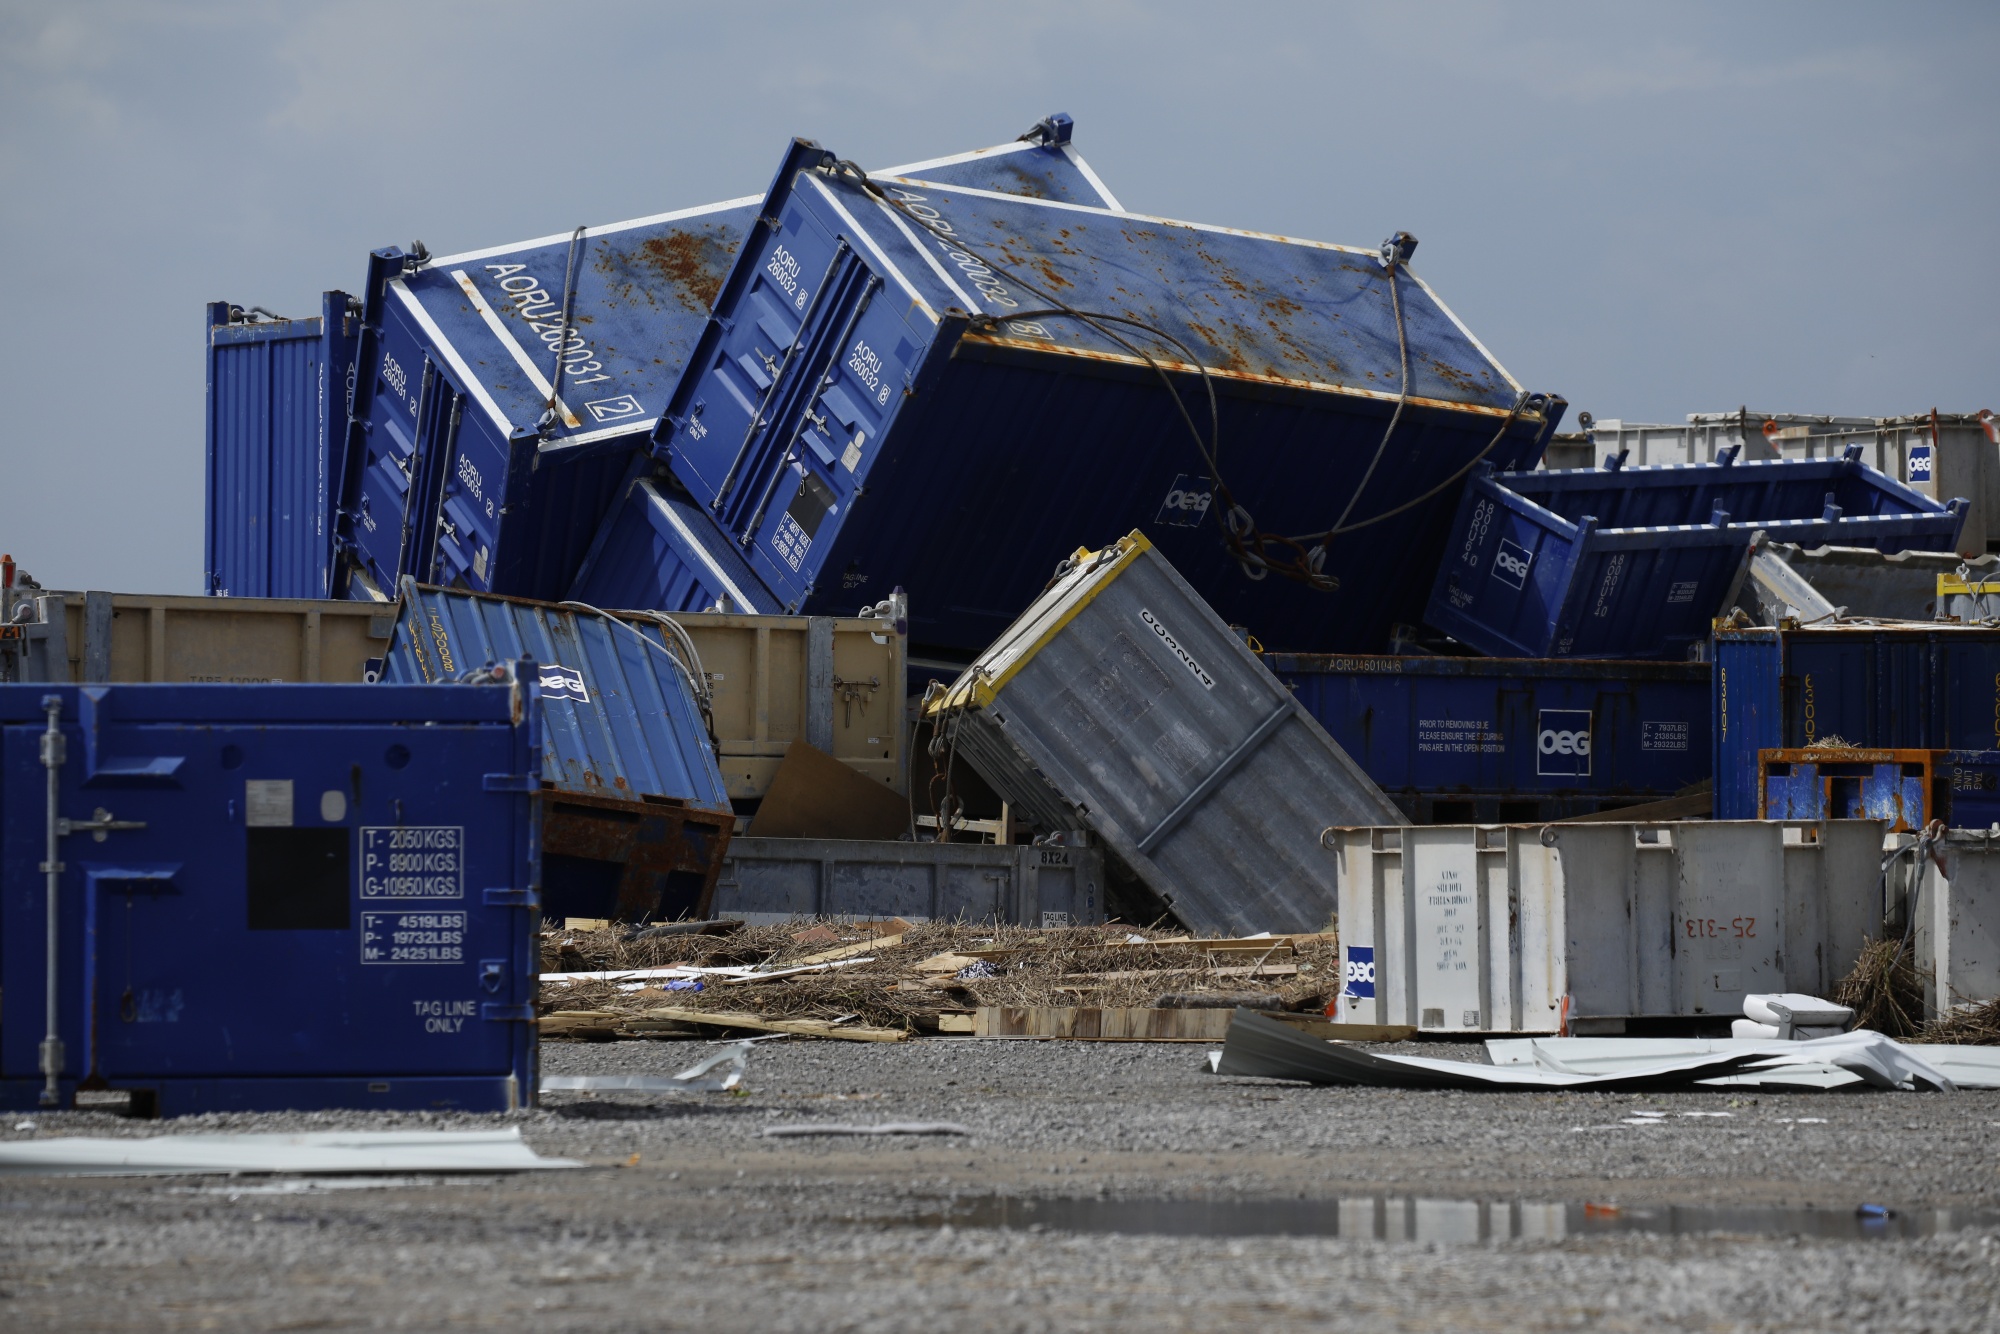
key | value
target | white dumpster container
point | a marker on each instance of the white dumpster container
(1513, 928)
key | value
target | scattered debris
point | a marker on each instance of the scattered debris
(928, 977)
(1261, 1046)
(338, 1151)
(697, 1078)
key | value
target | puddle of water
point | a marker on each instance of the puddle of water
(1463, 1222)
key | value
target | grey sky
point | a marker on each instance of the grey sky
(1652, 210)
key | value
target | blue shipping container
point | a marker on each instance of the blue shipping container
(1636, 562)
(274, 896)
(277, 414)
(874, 405)
(1922, 688)
(1508, 740)
(467, 464)
(637, 816)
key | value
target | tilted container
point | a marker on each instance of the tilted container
(1585, 928)
(158, 637)
(1882, 687)
(1120, 703)
(277, 416)
(272, 897)
(1938, 454)
(778, 879)
(876, 402)
(1635, 562)
(635, 814)
(1898, 585)
(1458, 740)
(467, 463)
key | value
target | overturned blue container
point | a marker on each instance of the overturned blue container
(277, 416)
(636, 818)
(877, 403)
(1509, 740)
(1914, 688)
(272, 896)
(1635, 562)
(504, 393)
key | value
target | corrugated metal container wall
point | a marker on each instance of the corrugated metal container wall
(852, 426)
(1901, 689)
(298, 896)
(277, 411)
(1635, 562)
(636, 816)
(776, 879)
(1119, 702)
(1459, 740)
(1940, 454)
(452, 477)
(1523, 929)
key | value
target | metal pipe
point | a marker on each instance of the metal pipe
(52, 1044)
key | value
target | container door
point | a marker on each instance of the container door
(402, 420)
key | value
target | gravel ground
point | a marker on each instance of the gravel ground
(690, 1219)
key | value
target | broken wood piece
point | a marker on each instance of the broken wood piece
(811, 1028)
(1252, 970)
(849, 951)
(1325, 1028)
(948, 963)
(593, 1025)
(1219, 1000)
(956, 1023)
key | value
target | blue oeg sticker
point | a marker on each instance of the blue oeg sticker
(1359, 973)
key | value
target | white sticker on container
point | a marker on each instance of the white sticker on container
(267, 803)
(850, 458)
(333, 805)
(413, 862)
(560, 682)
(1185, 658)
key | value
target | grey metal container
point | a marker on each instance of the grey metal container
(1957, 905)
(774, 879)
(1120, 702)
(1900, 585)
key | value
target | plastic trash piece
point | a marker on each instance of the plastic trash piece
(1750, 1028)
(972, 972)
(328, 1152)
(697, 1078)
(1793, 1008)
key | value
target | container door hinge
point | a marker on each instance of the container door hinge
(501, 1013)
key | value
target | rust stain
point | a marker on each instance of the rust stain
(686, 263)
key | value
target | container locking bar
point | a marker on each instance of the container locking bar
(1216, 778)
(100, 824)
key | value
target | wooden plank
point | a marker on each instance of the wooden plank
(811, 1028)
(849, 951)
(956, 1023)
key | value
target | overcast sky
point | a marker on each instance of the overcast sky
(1653, 210)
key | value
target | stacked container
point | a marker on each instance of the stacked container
(277, 412)
(886, 396)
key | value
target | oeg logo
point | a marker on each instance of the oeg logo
(1511, 565)
(1562, 745)
(1358, 975)
(1186, 502)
